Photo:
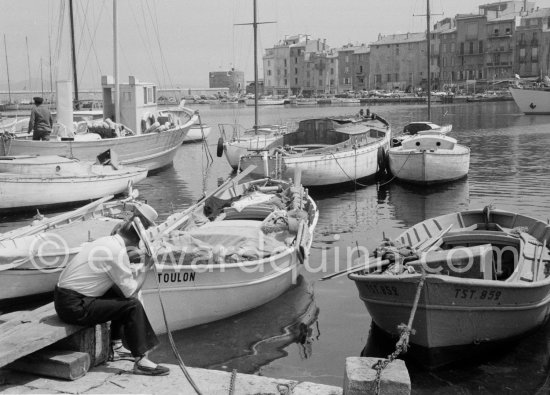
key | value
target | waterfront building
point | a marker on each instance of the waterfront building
(361, 66)
(231, 79)
(439, 45)
(532, 44)
(295, 64)
(398, 61)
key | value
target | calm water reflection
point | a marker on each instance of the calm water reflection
(308, 332)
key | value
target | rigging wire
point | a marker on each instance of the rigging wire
(162, 57)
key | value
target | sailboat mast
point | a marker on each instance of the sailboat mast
(255, 26)
(7, 69)
(429, 60)
(73, 53)
(115, 49)
(28, 62)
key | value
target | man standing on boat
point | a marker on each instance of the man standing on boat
(98, 285)
(41, 121)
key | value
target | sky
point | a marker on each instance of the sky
(175, 43)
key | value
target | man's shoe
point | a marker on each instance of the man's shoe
(156, 371)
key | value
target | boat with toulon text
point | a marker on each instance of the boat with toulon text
(463, 279)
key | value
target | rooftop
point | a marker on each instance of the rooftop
(400, 38)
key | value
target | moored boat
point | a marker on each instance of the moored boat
(482, 276)
(148, 138)
(327, 150)
(32, 257)
(429, 159)
(236, 250)
(30, 182)
(532, 101)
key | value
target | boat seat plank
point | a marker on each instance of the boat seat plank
(32, 332)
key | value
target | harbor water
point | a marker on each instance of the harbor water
(307, 333)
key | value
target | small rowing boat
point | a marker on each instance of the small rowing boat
(482, 276)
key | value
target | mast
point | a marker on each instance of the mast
(73, 54)
(41, 78)
(255, 24)
(429, 60)
(7, 69)
(255, 28)
(115, 50)
(28, 63)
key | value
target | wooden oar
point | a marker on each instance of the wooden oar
(26, 231)
(365, 265)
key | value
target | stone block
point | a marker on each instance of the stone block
(68, 365)
(360, 377)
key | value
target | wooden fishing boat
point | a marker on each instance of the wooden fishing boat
(328, 150)
(236, 250)
(30, 182)
(485, 273)
(32, 257)
(429, 159)
(236, 141)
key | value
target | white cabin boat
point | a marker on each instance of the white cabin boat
(149, 139)
(429, 159)
(266, 101)
(420, 128)
(197, 132)
(532, 101)
(327, 151)
(40, 181)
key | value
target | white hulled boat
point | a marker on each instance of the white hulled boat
(532, 101)
(327, 151)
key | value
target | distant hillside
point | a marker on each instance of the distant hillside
(35, 85)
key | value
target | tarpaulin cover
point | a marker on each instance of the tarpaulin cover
(221, 242)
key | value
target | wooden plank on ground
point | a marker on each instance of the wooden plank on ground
(68, 365)
(31, 333)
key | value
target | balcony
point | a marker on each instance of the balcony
(501, 35)
(499, 64)
(499, 50)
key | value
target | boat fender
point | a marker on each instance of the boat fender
(219, 150)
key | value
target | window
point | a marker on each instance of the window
(296, 81)
(495, 32)
(471, 47)
(296, 70)
(268, 72)
(534, 54)
(268, 63)
(522, 54)
(388, 77)
(347, 58)
(397, 50)
(331, 71)
(462, 48)
(508, 30)
(480, 74)
(295, 60)
(320, 82)
(285, 62)
(286, 82)
(453, 47)
(377, 78)
(396, 77)
(480, 46)
(444, 48)
(346, 69)
(361, 68)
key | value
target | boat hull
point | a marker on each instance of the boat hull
(233, 150)
(19, 191)
(193, 297)
(151, 151)
(455, 313)
(532, 101)
(425, 167)
(197, 133)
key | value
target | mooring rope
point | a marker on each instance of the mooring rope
(395, 175)
(405, 331)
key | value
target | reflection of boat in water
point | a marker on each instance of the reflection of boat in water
(254, 338)
(412, 203)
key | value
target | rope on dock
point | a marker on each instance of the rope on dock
(232, 382)
(403, 343)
